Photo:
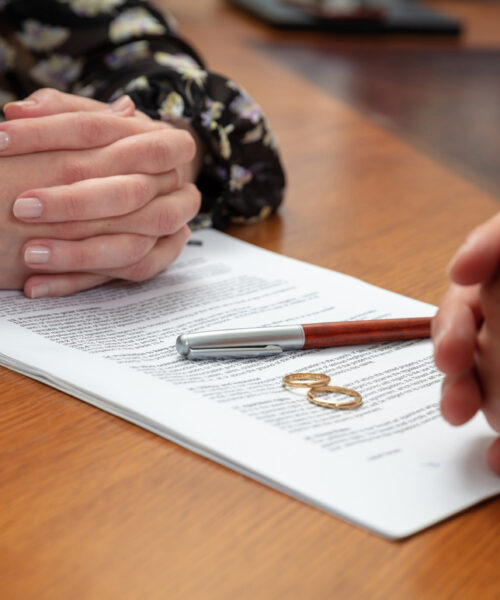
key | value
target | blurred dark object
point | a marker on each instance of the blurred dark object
(371, 16)
(342, 9)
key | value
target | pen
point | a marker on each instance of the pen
(268, 341)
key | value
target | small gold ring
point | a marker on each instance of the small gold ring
(305, 380)
(335, 389)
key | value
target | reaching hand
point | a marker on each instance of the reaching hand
(89, 195)
(466, 333)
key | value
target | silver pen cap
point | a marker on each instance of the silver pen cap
(241, 343)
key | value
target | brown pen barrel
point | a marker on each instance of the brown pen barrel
(324, 335)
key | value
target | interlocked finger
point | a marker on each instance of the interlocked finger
(162, 216)
(165, 251)
(45, 286)
(148, 153)
(93, 198)
(92, 254)
(70, 131)
(48, 101)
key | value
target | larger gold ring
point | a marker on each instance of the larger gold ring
(305, 380)
(334, 389)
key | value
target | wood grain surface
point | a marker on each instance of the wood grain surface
(92, 507)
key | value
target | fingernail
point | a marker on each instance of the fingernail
(438, 336)
(121, 104)
(37, 255)
(21, 103)
(27, 208)
(40, 291)
(445, 384)
(4, 140)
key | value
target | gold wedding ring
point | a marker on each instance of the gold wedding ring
(334, 389)
(318, 384)
(305, 380)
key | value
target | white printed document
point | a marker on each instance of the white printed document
(392, 465)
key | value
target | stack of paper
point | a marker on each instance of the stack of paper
(392, 465)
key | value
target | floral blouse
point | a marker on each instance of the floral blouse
(106, 48)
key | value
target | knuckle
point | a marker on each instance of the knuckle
(189, 144)
(193, 191)
(45, 95)
(138, 248)
(91, 129)
(139, 189)
(72, 169)
(176, 178)
(160, 153)
(141, 271)
(73, 207)
(77, 257)
(167, 221)
(194, 194)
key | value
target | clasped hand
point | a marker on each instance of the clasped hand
(90, 192)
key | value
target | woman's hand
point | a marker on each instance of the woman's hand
(466, 333)
(92, 123)
(106, 195)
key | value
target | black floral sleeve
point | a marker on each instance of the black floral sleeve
(105, 48)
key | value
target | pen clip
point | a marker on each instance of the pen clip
(234, 352)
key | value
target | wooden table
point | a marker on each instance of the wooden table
(95, 508)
